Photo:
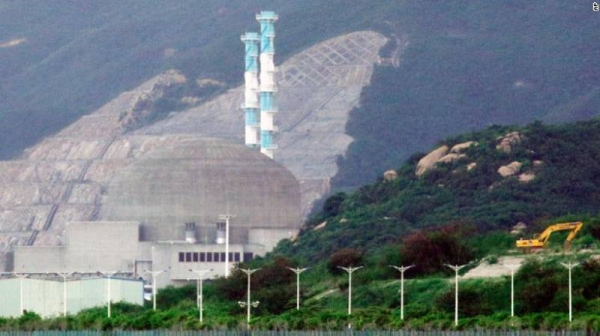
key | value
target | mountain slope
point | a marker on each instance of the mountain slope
(491, 180)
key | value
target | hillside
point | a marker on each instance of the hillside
(486, 181)
(466, 65)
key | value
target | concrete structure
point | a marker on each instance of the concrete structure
(267, 81)
(169, 201)
(251, 99)
(45, 297)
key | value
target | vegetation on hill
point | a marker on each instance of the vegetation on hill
(565, 160)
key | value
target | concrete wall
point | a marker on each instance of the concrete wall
(45, 297)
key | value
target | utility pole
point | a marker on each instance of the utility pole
(350, 270)
(199, 298)
(247, 304)
(570, 266)
(108, 275)
(456, 268)
(21, 277)
(402, 269)
(226, 217)
(65, 275)
(512, 269)
(297, 271)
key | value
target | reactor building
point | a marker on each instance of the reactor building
(191, 203)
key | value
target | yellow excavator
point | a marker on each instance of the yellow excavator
(540, 240)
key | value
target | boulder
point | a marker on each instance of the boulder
(458, 148)
(471, 165)
(510, 169)
(526, 177)
(450, 157)
(507, 142)
(390, 175)
(429, 161)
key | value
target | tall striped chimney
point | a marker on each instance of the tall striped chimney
(267, 81)
(251, 101)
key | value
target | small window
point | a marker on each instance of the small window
(230, 256)
(195, 256)
(188, 257)
(181, 257)
(223, 257)
(216, 256)
(209, 257)
(202, 257)
(248, 256)
(236, 256)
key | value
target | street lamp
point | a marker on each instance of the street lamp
(200, 273)
(65, 275)
(570, 266)
(108, 275)
(456, 268)
(297, 271)
(21, 277)
(247, 304)
(154, 275)
(402, 269)
(226, 217)
(350, 270)
(512, 269)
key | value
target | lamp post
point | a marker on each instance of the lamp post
(297, 270)
(570, 266)
(350, 270)
(154, 275)
(512, 269)
(456, 268)
(247, 304)
(226, 217)
(108, 275)
(200, 273)
(21, 277)
(402, 269)
(65, 275)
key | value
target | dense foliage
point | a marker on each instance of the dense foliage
(565, 160)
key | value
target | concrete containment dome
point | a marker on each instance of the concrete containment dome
(196, 180)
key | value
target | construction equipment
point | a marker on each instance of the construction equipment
(540, 240)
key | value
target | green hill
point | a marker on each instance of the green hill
(564, 161)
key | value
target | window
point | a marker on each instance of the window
(188, 256)
(223, 257)
(195, 256)
(216, 256)
(236, 256)
(247, 256)
(230, 256)
(181, 257)
(202, 257)
(209, 257)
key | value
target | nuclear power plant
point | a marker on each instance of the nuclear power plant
(177, 202)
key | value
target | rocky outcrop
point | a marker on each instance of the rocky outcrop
(510, 169)
(390, 175)
(459, 148)
(429, 160)
(526, 177)
(509, 141)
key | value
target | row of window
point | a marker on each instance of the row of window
(214, 256)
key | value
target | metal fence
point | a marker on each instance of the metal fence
(306, 333)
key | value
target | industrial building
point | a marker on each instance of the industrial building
(168, 210)
(47, 297)
(185, 202)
